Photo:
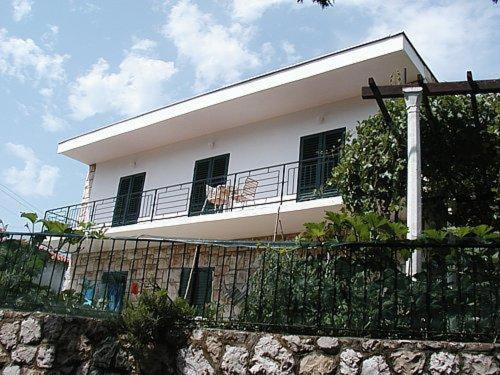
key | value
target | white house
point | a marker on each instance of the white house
(223, 164)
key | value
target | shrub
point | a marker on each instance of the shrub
(156, 327)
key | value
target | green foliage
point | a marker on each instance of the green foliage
(342, 227)
(154, 319)
(460, 163)
(20, 263)
(368, 288)
(157, 327)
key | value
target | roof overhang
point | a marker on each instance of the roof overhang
(323, 80)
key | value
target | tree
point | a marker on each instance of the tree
(323, 3)
(327, 3)
(460, 163)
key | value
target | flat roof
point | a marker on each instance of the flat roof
(224, 107)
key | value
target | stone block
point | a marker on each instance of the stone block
(270, 357)
(24, 354)
(317, 364)
(328, 344)
(408, 362)
(8, 334)
(12, 370)
(443, 363)
(46, 356)
(31, 331)
(349, 362)
(235, 360)
(475, 364)
(190, 361)
(375, 366)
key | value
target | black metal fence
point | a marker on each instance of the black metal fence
(304, 180)
(406, 290)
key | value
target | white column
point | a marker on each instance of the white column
(413, 96)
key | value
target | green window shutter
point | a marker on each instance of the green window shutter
(128, 200)
(135, 199)
(121, 200)
(201, 292)
(310, 148)
(324, 148)
(211, 171)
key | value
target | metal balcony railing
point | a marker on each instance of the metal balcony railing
(293, 181)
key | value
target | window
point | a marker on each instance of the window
(319, 153)
(128, 200)
(108, 293)
(200, 292)
(211, 171)
(114, 284)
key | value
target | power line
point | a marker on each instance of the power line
(9, 210)
(21, 198)
(24, 204)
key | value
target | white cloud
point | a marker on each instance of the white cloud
(251, 10)
(219, 53)
(451, 35)
(290, 51)
(49, 38)
(23, 59)
(46, 92)
(138, 85)
(35, 178)
(21, 9)
(52, 123)
(144, 45)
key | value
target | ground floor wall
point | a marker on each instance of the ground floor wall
(128, 270)
(36, 343)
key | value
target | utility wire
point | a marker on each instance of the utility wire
(18, 200)
(20, 197)
(9, 210)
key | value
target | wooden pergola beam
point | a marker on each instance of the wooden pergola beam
(378, 97)
(473, 88)
(425, 98)
(434, 89)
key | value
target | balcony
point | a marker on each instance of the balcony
(237, 193)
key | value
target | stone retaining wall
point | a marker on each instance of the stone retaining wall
(38, 343)
(35, 343)
(232, 352)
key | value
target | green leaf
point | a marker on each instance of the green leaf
(31, 216)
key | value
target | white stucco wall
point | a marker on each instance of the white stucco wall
(250, 146)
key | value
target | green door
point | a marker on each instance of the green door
(128, 201)
(319, 153)
(211, 171)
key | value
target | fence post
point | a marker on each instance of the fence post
(93, 211)
(233, 190)
(153, 205)
(282, 182)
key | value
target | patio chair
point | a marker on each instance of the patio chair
(247, 192)
(218, 195)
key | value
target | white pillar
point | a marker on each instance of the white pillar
(413, 96)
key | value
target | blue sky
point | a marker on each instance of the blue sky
(69, 66)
